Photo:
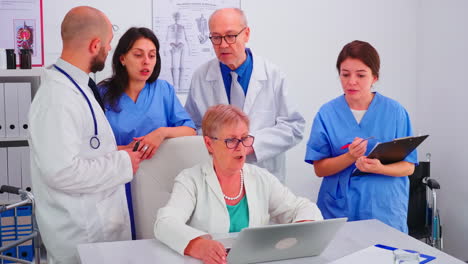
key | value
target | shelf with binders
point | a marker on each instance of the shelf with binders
(17, 88)
(32, 76)
(15, 168)
(14, 149)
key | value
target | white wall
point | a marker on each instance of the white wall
(442, 111)
(423, 49)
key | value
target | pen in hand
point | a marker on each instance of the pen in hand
(347, 145)
(135, 147)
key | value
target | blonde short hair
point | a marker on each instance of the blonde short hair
(222, 115)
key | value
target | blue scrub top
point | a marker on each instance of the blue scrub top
(372, 196)
(157, 106)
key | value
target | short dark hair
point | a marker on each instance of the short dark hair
(362, 51)
(116, 84)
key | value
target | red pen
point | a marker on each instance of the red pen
(347, 145)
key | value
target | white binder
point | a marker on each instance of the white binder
(25, 168)
(14, 170)
(11, 110)
(3, 173)
(24, 101)
(2, 111)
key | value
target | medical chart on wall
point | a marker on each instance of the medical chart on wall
(21, 28)
(182, 29)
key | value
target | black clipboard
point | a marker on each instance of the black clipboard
(393, 151)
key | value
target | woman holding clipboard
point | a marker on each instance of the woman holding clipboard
(345, 130)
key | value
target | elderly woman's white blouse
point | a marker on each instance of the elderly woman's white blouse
(197, 205)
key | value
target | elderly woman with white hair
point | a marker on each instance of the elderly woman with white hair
(225, 194)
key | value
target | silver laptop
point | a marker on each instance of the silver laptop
(284, 241)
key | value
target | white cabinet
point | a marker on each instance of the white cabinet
(17, 88)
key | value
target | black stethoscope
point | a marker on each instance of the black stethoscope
(94, 141)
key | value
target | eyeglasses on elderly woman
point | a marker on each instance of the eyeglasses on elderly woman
(232, 143)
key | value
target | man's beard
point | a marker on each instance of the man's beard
(98, 62)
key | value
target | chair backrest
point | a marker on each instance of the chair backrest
(153, 182)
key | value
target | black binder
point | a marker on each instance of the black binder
(393, 151)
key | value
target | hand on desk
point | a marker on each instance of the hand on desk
(207, 250)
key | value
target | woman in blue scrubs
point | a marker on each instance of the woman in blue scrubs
(350, 119)
(140, 107)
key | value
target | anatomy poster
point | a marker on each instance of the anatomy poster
(183, 33)
(21, 27)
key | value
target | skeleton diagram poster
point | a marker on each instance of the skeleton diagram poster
(182, 29)
(21, 28)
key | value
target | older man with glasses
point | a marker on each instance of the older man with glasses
(240, 78)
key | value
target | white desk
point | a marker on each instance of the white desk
(352, 237)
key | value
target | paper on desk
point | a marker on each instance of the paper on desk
(370, 255)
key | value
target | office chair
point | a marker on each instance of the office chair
(153, 182)
(423, 215)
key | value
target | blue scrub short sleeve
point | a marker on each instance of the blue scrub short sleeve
(318, 146)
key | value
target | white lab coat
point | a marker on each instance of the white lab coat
(197, 207)
(274, 122)
(79, 191)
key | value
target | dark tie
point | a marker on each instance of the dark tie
(93, 87)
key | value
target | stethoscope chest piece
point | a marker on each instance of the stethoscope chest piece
(94, 142)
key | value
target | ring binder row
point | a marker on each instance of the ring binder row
(16, 224)
(15, 170)
(15, 99)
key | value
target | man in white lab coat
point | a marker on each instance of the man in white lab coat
(78, 175)
(260, 91)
